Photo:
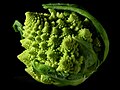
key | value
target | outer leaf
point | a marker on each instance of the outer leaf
(42, 69)
(18, 27)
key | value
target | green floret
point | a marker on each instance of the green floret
(25, 57)
(85, 34)
(62, 47)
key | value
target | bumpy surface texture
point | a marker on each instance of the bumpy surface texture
(60, 47)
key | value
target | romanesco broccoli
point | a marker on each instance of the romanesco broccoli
(62, 47)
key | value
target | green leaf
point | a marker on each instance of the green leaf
(91, 59)
(42, 68)
(59, 80)
(59, 4)
(18, 27)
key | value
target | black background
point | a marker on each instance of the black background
(12, 70)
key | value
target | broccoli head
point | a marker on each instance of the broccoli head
(62, 47)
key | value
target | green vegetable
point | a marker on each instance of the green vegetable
(62, 47)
